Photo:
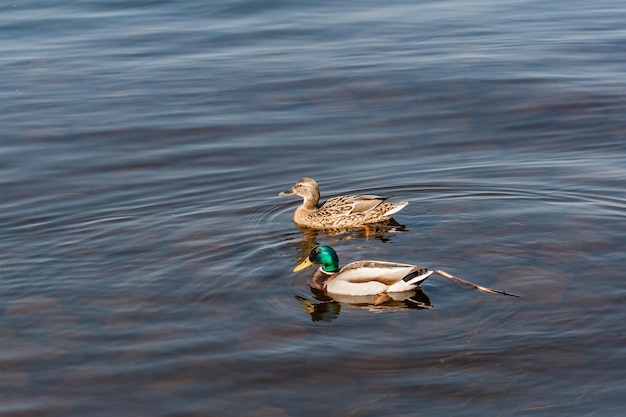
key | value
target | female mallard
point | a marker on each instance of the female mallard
(346, 211)
(361, 277)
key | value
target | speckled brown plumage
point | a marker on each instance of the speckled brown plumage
(339, 212)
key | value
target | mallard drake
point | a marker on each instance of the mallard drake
(348, 211)
(361, 277)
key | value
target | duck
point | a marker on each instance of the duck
(347, 211)
(361, 278)
(366, 278)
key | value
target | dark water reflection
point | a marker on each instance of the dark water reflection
(145, 257)
(323, 307)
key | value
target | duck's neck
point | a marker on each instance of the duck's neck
(310, 201)
(308, 207)
(319, 278)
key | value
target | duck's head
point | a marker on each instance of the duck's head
(321, 255)
(306, 188)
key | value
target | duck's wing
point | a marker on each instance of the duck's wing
(389, 272)
(351, 204)
(375, 277)
(364, 203)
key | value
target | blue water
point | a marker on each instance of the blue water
(146, 258)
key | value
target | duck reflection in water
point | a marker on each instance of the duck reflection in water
(378, 231)
(326, 308)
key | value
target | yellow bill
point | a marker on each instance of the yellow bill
(305, 264)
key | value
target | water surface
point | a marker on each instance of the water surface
(146, 258)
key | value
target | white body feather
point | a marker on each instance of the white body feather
(374, 277)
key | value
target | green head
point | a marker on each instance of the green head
(321, 255)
